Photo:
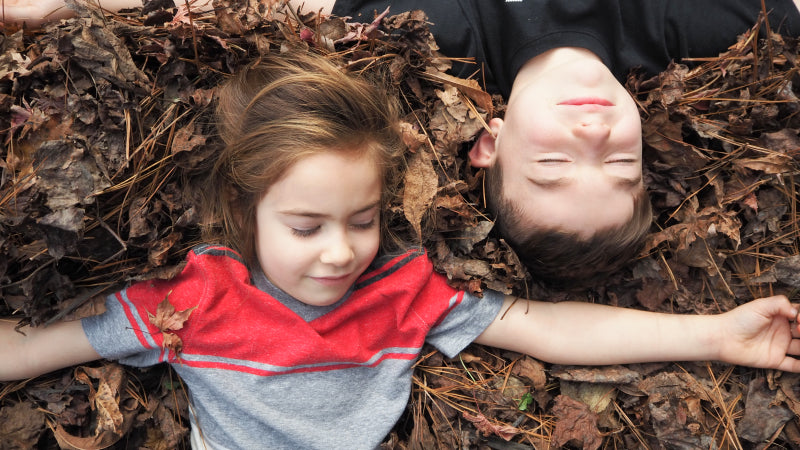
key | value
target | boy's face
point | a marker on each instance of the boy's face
(318, 227)
(570, 150)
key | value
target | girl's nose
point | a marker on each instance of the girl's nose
(338, 253)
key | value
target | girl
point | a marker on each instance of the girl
(296, 333)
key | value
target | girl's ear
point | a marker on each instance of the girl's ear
(483, 152)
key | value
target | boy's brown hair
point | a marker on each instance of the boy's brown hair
(563, 260)
(278, 111)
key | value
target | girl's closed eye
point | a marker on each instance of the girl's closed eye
(304, 232)
(365, 225)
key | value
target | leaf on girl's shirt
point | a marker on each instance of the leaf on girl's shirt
(172, 342)
(167, 319)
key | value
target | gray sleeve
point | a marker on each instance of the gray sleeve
(465, 322)
(113, 336)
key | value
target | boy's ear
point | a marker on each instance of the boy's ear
(483, 152)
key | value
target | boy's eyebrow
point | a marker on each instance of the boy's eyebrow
(622, 182)
(315, 215)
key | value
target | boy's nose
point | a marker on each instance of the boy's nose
(592, 133)
(338, 253)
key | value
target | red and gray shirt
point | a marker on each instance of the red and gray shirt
(267, 371)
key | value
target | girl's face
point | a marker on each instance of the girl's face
(319, 226)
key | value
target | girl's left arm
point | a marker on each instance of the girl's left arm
(761, 333)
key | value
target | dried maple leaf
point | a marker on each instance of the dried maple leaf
(167, 318)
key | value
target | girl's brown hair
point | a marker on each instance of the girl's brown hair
(280, 110)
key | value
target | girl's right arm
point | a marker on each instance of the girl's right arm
(42, 349)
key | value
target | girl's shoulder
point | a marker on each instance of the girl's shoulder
(410, 264)
(397, 257)
(216, 251)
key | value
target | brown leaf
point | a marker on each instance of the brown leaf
(606, 374)
(488, 428)
(158, 253)
(187, 139)
(172, 341)
(469, 87)
(20, 425)
(111, 423)
(575, 423)
(532, 370)
(421, 186)
(773, 163)
(654, 292)
(105, 399)
(762, 415)
(596, 396)
(167, 318)
(172, 431)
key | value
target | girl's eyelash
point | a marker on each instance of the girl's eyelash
(364, 226)
(622, 160)
(304, 232)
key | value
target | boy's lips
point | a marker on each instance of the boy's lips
(580, 101)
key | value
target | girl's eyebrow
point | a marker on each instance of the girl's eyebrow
(316, 215)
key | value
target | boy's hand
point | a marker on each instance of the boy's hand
(761, 333)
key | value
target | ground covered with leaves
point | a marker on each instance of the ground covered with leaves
(106, 124)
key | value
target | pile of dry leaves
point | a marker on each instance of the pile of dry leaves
(106, 120)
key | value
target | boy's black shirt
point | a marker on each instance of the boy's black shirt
(504, 35)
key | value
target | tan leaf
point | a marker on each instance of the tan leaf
(575, 422)
(532, 370)
(167, 318)
(172, 342)
(773, 163)
(469, 87)
(488, 428)
(421, 186)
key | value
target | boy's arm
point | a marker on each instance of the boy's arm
(42, 349)
(758, 334)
